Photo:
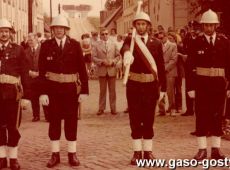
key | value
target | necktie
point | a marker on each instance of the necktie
(60, 45)
(3, 47)
(33, 51)
(211, 41)
(143, 39)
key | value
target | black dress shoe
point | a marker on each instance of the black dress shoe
(14, 165)
(202, 154)
(126, 111)
(113, 113)
(100, 112)
(137, 155)
(193, 133)
(55, 159)
(35, 119)
(73, 160)
(3, 163)
(216, 154)
(187, 114)
(148, 155)
(162, 114)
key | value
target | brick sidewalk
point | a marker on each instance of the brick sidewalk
(104, 141)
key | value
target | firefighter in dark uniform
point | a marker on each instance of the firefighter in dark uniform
(209, 68)
(64, 82)
(143, 86)
(13, 81)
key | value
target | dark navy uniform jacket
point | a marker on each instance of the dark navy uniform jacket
(14, 63)
(68, 61)
(202, 54)
(138, 66)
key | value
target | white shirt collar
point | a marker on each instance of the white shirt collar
(166, 43)
(213, 37)
(59, 40)
(35, 47)
(6, 44)
(143, 36)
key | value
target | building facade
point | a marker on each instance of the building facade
(37, 16)
(168, 13)
(16, 11)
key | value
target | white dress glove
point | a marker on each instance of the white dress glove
(82, 97)
(25, 103)
(228, 93)
(128, 58)
(44, 100)
(162, 94)
(191, 94)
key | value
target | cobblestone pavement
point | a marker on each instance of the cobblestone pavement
(104, 142)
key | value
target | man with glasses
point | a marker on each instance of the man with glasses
(106, 55)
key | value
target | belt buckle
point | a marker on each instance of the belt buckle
(142, 77)
(61, 78)
(212, 72)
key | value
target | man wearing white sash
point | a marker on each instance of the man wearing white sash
(146, 83)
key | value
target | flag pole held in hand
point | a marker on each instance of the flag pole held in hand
(127, 68)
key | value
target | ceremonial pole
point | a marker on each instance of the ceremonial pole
(127, 68)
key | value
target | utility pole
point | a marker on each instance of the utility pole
(30, 15)
(59, 8)
(51, 11)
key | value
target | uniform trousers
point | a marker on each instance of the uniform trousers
(209, 109)
(10, 117)
(142, 98)
(63, 106)
(111, 83)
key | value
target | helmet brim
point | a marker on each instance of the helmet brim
(52, 26)
(141, 20)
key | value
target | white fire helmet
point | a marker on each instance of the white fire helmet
(142, 16)
(60, 21)
(4, 23)
(209, 17)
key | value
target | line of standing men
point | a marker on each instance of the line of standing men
(63, 82)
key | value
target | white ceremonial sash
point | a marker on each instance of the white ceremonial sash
(146, 53)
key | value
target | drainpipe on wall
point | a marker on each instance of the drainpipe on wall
(174, 16)
(51, 11)
(30, 17)
(149, 7)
